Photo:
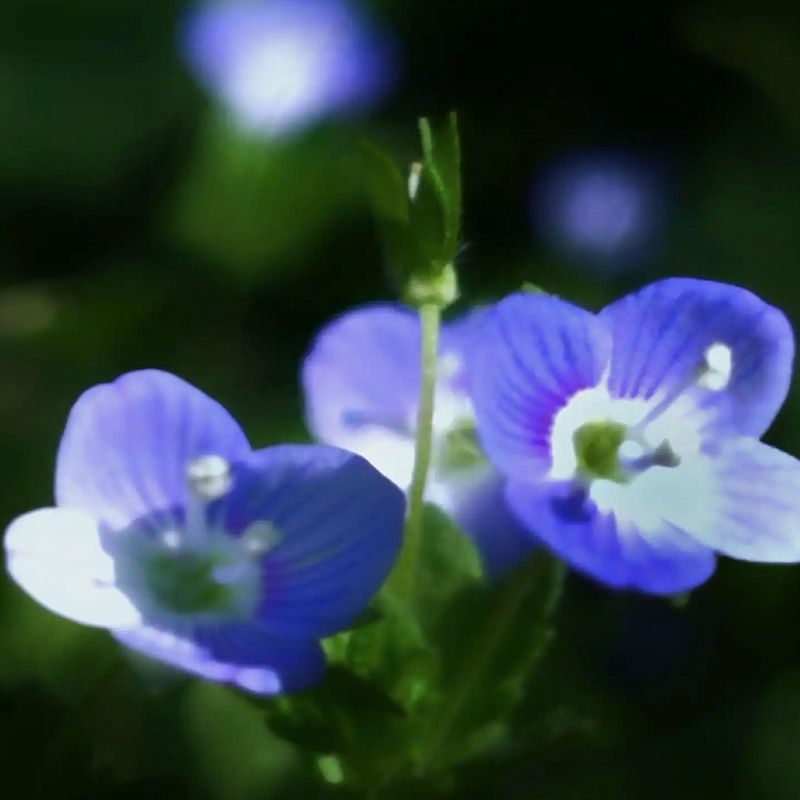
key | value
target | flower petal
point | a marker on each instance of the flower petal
(755, 507)
(281, 64)
(338, 525)
(361, 380)
(479, 506)
(240, 653)
(615, 551)
(127, 444)
(661, 338)
(535, 352)
(361, 384)
(57, 557)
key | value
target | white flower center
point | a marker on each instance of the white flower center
(642, 459)
(592, 406)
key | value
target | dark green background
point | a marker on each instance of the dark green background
(134, 231)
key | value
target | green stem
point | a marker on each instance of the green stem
(404, 579)
(486, 643)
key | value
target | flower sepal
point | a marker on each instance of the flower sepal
(420, 214)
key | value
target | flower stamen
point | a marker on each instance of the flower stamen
(716, 373)
(208, 478)
(259, 538)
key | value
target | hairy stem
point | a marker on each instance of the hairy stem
(404, 579)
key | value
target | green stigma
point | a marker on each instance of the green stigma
(184, 583)
(597, 450)
(458, 451)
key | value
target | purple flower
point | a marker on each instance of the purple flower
(196, 550)
(630, 437)
(280, 65)
(361, 382)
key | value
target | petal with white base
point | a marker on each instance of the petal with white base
(756, 504)
(57, 557)
(611, 547)
(719, 348)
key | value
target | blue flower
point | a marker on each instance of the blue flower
(361, 382)
(280, 65)
(196, 550)
(630, 437)
(603, 209)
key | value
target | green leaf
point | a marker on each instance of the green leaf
(680, 600)
(345, 715)
(386, 186)
(429, 223)
(257, 208)
(232, 753)
(442, 153)
(532, 288)
(492, 640)
(395, 655)
(449, 564)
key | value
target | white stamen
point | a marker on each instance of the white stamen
(449, 366)
(209, 477)
(258, 538)
(452, 410)
(171, 539)
(717, 368)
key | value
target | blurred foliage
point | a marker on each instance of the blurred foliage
(405, 700)
(255, 207)
(137, 230)
(85, 89)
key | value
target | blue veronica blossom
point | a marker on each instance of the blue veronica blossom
(196, 550)
(361, 383)
(630, 437)
(280, 65)
(602, 208)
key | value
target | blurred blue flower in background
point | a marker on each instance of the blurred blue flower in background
(194, 549)
(281, 65)
(603, 210)
(630, 437)
(361, 384)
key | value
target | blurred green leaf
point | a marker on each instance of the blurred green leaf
(233, 755)
(449, 565)
(83, 88)
(386, 186)
(490, 640)
(532, 288)
(429, 222)
(393, 653)
(442, 151)
(256, 208)
(345, 716)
